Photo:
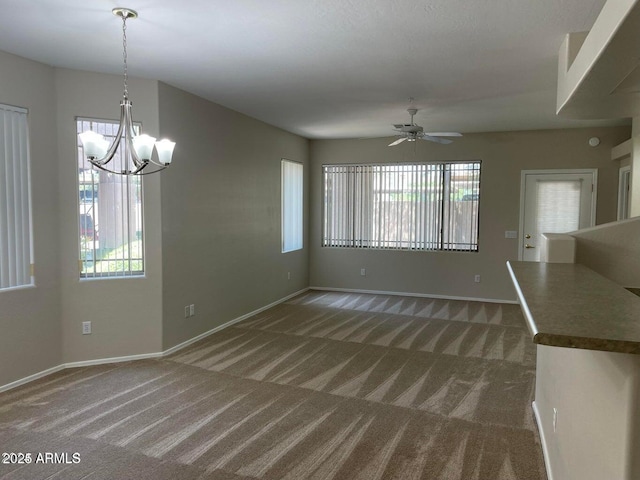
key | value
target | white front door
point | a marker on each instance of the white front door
(554, 201)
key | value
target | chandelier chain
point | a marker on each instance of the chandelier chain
(124, 54)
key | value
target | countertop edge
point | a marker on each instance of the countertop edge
(585, 343)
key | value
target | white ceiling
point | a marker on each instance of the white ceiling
(326, 68)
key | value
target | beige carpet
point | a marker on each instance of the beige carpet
(324, 386)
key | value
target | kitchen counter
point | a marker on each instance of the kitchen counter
(570, 305)
(586, 400)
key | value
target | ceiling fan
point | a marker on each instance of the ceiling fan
(413, 132)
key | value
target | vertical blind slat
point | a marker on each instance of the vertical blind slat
(291, 174)
(4, 155)
(402, 206)
(16, 248)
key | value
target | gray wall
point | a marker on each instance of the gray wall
(126, 313)
(30, 330)
(612, 250)
(216, 236)
(221, 203)
(221, 245)
(504, 156)
(595, 395)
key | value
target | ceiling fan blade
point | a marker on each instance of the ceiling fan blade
(443, 141)
(443, 134)
(400, 140)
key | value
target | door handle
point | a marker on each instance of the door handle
(527, 236)
(529, 246)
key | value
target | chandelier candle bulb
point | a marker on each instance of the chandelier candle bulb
(165, 150)
(95, 146)
(143, 145)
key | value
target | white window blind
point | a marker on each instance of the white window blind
(16, 250)
(110, 213)
(558, 205)
(292, 199)
(427, 206)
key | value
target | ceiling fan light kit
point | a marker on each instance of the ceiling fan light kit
(412, 132)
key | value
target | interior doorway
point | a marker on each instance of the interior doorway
(554, 201)
(624, 197)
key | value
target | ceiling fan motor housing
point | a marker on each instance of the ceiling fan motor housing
(411, 128)
(411, 132)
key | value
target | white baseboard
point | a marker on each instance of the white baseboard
(31, 378)
(230, 322)
(543, 441)
(410, 294)
(143, 356)
(102, 361)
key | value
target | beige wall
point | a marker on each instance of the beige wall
(221, 215)
(217, 236)
(504, 156)
(126, 314)
(221, 204)
(599, 439)
(612, 250)
(30, 330)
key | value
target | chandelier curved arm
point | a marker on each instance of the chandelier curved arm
(125, 129)
(149, 172)
(138, 172)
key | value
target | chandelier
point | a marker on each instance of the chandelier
(137, 149)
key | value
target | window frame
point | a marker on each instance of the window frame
(445, 199)
(25, 270)
(299, 207)
(139, 192)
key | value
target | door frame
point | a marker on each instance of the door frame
(623, 194)
(560, 171)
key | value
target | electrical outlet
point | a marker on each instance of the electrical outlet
(288, 275)
(363, 271)
(86, 328)
(192, 310)
(187, 311)
(476, 278)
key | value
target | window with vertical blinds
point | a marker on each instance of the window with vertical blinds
(292, 227)
(416, 206)
(110, 213)
(16, 250)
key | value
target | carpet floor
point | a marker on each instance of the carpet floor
(324, 386)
